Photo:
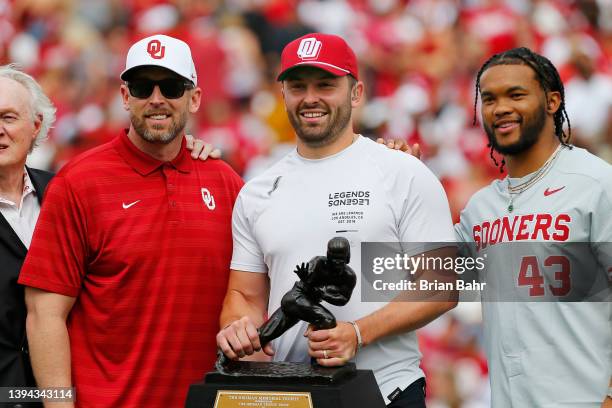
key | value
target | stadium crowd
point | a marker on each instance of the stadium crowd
(418, 60)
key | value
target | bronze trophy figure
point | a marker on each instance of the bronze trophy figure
(323, 278)
(327, 278)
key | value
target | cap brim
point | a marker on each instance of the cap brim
(332, 69)
(125, 74)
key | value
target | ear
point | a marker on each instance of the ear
(283, 94)
(357, 94)
(125, 95)
(195, 99)
(37, 125)
(553, 101)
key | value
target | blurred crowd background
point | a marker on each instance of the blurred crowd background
(418, 60)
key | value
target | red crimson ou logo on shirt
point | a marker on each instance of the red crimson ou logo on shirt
(155, 49)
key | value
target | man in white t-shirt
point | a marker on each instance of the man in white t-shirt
(336, 183)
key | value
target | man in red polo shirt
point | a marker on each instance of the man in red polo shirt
(129, 262)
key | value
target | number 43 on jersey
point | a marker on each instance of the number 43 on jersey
(531, 275)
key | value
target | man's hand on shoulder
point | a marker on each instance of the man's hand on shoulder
(402, 146)
(200, 149)
(240, 338)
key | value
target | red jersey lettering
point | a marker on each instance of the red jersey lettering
(542, 224)
(523, 232)
(562, 227)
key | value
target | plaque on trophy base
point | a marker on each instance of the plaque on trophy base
(286, 385)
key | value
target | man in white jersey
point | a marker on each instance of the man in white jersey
(541, 354)
(336, 183)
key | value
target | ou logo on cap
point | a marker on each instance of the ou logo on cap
(309, 48)
(155, 49)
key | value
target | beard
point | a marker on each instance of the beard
(317, 136)
(530, 133)
(155, 133)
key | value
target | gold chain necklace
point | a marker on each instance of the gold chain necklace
(515, 191)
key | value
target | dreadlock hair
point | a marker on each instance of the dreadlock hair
(546, 74)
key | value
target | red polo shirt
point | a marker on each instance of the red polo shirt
(145, 247)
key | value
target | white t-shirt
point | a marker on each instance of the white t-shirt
(366, 192)
(546, 354)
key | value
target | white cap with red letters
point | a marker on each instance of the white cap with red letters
(162, 51)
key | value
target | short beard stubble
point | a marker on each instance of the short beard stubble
(329, 133)
(154, 135)
(530, 134)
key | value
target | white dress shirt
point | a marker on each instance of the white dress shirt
(22, 218)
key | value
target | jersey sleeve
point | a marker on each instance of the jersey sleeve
(464, 237)
(57, 255)
(461, 232)
(247, 255)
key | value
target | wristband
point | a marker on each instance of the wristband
(358, 333)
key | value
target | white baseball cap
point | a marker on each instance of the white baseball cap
(162, 51)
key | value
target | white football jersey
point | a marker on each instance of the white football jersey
(546, 354)
(365, 193)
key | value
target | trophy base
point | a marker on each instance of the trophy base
(287, 385)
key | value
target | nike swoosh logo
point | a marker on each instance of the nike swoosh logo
(126, 206)
(548, 192)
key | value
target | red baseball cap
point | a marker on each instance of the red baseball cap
(328, 52)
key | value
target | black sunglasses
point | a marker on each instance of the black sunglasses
(170, 88)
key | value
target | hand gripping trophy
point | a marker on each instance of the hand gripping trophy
(323, 278)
